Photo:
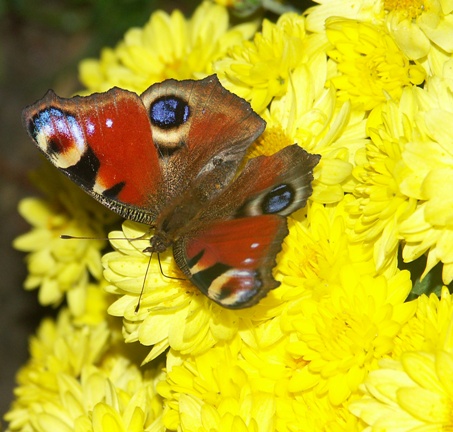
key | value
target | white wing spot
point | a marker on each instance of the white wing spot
(90, 127)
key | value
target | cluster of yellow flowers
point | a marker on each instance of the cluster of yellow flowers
(338, 346)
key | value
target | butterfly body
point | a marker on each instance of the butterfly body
(170, 159)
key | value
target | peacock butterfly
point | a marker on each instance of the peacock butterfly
(170, 159)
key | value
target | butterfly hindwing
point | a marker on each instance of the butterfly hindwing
(231, 261)
(231, 258)
(277, 184)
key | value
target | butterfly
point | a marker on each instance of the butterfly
(171, 159)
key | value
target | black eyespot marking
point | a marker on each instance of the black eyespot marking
(278, 199)
(169, 112)
(246, 288)
(204, 278)
(85, 170)
(114, 191)
(53, 147)
(193, 261)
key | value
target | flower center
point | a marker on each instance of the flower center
(410, 8)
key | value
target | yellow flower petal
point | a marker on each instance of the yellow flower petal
(168, 46)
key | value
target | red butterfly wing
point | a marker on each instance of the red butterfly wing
(231, 261)
(103, 142)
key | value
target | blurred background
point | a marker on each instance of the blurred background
(41, 44)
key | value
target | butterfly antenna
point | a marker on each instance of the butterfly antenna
(137, 308)
(70, 237)
(165, 275)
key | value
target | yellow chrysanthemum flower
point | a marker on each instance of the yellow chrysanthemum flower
(59, 347)
(360, 10)
(428, 329)
(341, 316)
(229, 383)
(172, 313)
(419, 395)
(414, 393)
(309, 115)
(315, 251)
(428, 159)
(370, 67)
(114, 398)
(212, 393)
(403, 179)
(56, 266)
(260, 70)
(270, 368)
(342, 335)
(419, 26)
(380, 205)
(168, 46)
(414, 390)
(78, 380)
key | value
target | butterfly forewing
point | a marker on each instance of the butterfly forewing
(103, 142)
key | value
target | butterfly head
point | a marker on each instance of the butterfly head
(159, 243)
